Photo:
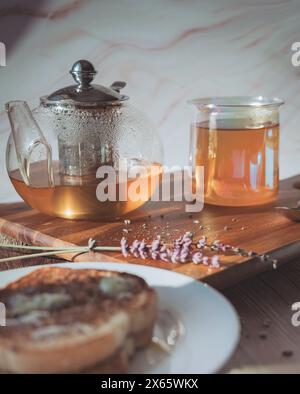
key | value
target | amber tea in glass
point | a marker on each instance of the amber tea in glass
(236, 140)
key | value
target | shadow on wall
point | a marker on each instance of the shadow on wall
(19, 10)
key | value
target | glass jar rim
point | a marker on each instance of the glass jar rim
(236, 102)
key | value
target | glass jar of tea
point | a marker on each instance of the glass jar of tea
(236, 141)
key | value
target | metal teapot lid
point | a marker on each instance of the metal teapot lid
(85, 94)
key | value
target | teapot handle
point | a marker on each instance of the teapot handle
(27, 138)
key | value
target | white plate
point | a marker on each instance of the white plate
(209, 324)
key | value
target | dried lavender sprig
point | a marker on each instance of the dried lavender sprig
(218, 246)
(182, 250)
(262, 257)
(181, 253)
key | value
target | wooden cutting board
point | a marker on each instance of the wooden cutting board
(260, 229)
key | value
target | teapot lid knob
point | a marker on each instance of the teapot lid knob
(83, 73)
(84, 93)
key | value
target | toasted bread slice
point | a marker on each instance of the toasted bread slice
(63, 320)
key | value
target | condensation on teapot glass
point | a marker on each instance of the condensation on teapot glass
(82, 127)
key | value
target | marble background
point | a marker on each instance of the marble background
(168, 51)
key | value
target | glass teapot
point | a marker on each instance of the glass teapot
(56, 152)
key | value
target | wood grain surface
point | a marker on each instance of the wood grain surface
(268, 337)
(261, 229)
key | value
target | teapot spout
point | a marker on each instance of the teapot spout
(28, 138)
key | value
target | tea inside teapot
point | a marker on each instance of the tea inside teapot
(76, 198)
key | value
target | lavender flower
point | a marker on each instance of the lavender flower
(143, 250)
(175, 252)
(187, 239)
(202, 243)
(177, 243)
(215, 261)
(164, 253)
(197, 258)
(184, 255)
(225, 248)
(124, 247)
(205, 260)
(134, 248)
(185, 245)
(175, 255)
(155, 248)
(217, 246)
